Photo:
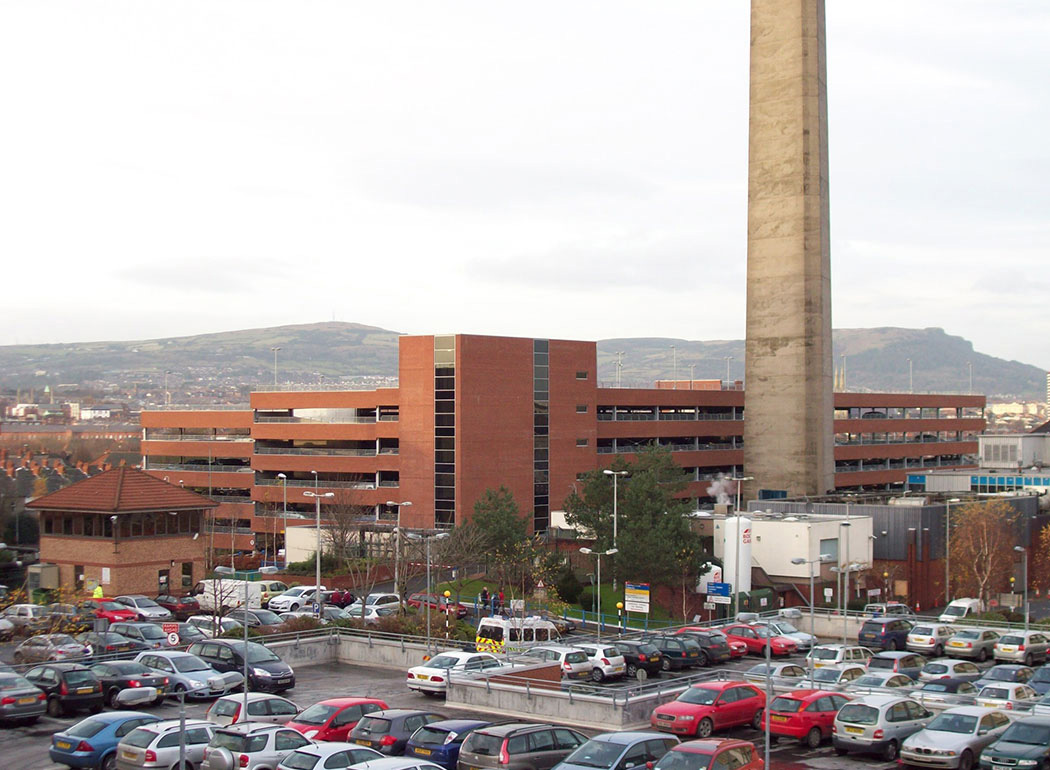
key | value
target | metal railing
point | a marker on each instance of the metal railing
(320, 483)
(320, 452)
(667, 417)
(205, 468)
(308, 420)
(634, 448)
(195, 437)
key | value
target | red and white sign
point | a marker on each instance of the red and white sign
(169, 628)
(745, 536)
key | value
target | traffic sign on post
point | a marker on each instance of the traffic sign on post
(636, 597)
(719, 589)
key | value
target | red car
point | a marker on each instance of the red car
(113, 611)
(755, 639)
(333, 719)
(712, 753)
(182, 607)
(806, 715)
(710, 706)
(437, 603)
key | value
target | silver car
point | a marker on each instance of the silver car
(783, 674)
(930, 638)
(950, 692)
(22, 702)
(147, 609)
(326, 755)
(949, 668)
(50, 647)
(250, 745)
(878, 724)
(975, 643)
(782, 627)
(1028, 647)
(262, 707)
(833, 677)
(875, 680)
(1008, 695)
(954, 738)
(190, 674)
(156, 745)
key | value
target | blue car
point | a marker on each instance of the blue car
(886, 633)
(440, 742)
(92, 742)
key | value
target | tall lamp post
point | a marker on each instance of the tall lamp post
(318, 596)
(948, 549)
(598, 588)
(243, 716)
(397, 544)
(427, 539)
(736, 562)
(275, 367)
(616, 496)
(812, 621)
(1024, 576)
(284, 510)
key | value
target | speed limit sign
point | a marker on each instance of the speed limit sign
(173, 639)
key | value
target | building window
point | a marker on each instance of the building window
(581, 442)
(581, 409)
(581, 375)
(540, 434)
(162, 581)
(78, 577)
(444, 431)
(187, 574)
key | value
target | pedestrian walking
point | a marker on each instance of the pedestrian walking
(483, 599)
(502, 604)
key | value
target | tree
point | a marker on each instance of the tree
(982, 539)
(1039, 561)
(503, 531)
(344, 516)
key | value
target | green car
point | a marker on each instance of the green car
(1025, 744)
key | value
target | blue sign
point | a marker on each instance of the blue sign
(718, 589)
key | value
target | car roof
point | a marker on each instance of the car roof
(169, 653)
(252, 696)
(398, 713)
(893, 654)
(709, 745)
(879, 699)
(718, 685)
(67, 666)
(882, 620)
(174, 724)
(511, 727)
(391, 762)
(245, 727)
(627, 737)
(458, 724)
(327, 748)
(118, 716)
(807, 695)
(977, 711)
(344, 702)
(952, 682)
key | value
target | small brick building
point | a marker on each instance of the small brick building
(125, 530)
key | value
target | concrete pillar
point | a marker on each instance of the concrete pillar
(788, 438)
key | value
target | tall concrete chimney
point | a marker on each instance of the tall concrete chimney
(788, 436)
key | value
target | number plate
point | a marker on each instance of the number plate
(694, 655)
(85, 690)
(129, 755)
(778, 718)
(363, 742)
(855, 730)
(63, 744)
(1007, 648)
(24, 701)
(955, 644)
(423, 752)
(424, 677)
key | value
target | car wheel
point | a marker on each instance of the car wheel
(982, 656)
(597, 675)
(966, 760)
(813, 738)
(756, 720)
(632, 670)
(295, 608)
(189, 766)
(892, 645)
(55, 708)
(111, 697)
(704, 660)
(889, 753)
(705, 728)
(157, 701)
(1028, 660)
(109, 763)
(665, 664)
(180, 688)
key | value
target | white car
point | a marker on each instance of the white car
(212, 625)
(147, 609)
(930, 638)
(950, 668)
(326, 755)
(1008, 695)
(431, 677)
(294, 599)
(377, 600)
(782, 627)
(833, 677)
(573, 662)
(262, 707)
(607, 661)
(838, 654)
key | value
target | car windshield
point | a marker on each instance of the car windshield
(1042, 674)
(188, 664)
(317, 714)
(442, 661)
(702, 696)
(267, 618)
(57, 639)
(259, 654)
(786, 628)
(968, 635)
(150, 631)
(1032, 734)
(1011, 639)
(14, 683)
(145, 603)
(434, 736)
(299, 591)
(870, 681)
(111, 606)
(954, 723)
(826, 675)
(374, 725)
(86, 728)
(935, 668)
(140, 738)
(922, 631)
(299, 760)
(824, 653)
(595, 754)
(235, 742)
(882, 663)
(684, 760)
(996, 674)
(785, 705)
(79, 676)
(934, 687)
(858, 714)
(955, 612)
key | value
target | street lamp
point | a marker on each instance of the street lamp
(318, 597)
(397, 544)
(739, 535)
(615, 477)
(284, 489)
(599, 555)
(244, 609)
(1024, 576)
(275, 367)
(812, 622)
(728, 359)
(427, 540)
(911, 378)
(948, 549)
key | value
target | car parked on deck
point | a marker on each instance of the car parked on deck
(294, 599)
(68, 619)
(328, 755)
(783, 674)
(250, 745)
(213, 625)
(437, 603)
(257, 617)
(805, 715)
(440, 742)
(333, 719)
(1008, 695)
(838, 654)
(119, 675)
(783, 627)
(624, 750)
(574, 663)
(907, 663)
(431, 676)
(180, 607)
(606, 661)
(885, 633)
(108, 643)
(953, 692)
(1006, 672)
(21, 701)
(92, 743)
(149, 634)
(388, 731)
(26, 617)
(955, 738)
(68, 686)
(882, 681)
(977, 643)
(950, 668)
(266, 670)
(836, 678)
(708, 706)
(518, 746)
(262, 707)
(1025, 743)
(756, 638)
(1028, 647)
(155, 746)
(188, 673)
(44, 647)
(878, 724)
(1040, 681)
(930, 638)
(639, 655)
(111, 610)
(714, 645)
(677, 652)
(713, 753)
(146, 609)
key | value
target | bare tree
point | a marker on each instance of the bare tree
(982, 538)
(344, 516)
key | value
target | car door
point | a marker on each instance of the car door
(281, 711)
(748, 701)
(724, 710)
(342, 723)
(543, 749)
(287, 741)
(225, 659)
(634, 757)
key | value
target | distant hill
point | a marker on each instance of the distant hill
(876, 360)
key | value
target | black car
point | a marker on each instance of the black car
(266, 671)
(110, 644)
(640, 655)
(714, 644)
(388, 731)
(678, 651)
(68, 687)
(117, 675)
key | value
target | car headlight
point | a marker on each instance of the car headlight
(686, 718)
(1028, 762)
(260, 672)
(194, 683)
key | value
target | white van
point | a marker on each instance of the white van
(500, 634)
(961, 608)
(222, 595)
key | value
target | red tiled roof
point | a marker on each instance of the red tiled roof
(121, 490)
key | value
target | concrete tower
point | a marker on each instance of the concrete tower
(788, 431)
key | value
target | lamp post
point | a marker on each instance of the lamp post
(318, 597)
(728, 359)
(284, 508)
(397, 544)
(948, 549)
(736, 562)
(244, 609)
(275, 367)
(1024, 576)
(969, 365)
(427, 540)
(616, 496)
(448, 610)
(619, 613)
(598, 588)
(674, 365)
(911, 377)
(812, 621)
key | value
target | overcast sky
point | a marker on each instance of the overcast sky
(558, 169)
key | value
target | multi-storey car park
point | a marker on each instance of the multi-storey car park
(475, 412)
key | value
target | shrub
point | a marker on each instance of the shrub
(568, 585)
(300, 623)
(329, 565)
(238, 633)
(586, 598)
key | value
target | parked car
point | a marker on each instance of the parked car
(885, 609)
(574, 663)
(92, 743)
(333, 719)
(518, 746)
(1008, 695)
(440, 742)
(156, 745)
(709, 706)
(68, 619)
(677, 652)
(68, 686)
(783, 674)
(975, 643)
(878, 724)
(212, 625)
(949, 668)
(397, 763)
(805, 715)
(256, 618)
(715, 753)
(180, 607)
(431, 677)
(930, 638)
(756, 637)
(377, 599)
(961, 608)
(21, 701)
(7, 630)
(606, 661)
(885, 633)
(783, 627)
(149, 634)
(882, 681)
(1040, 681)
(1042, 706)
(262, 707)
(838, 654)
(640, 655)
(1028, 647)
(44, 647)
(295, 598)
(1025, 743)
(437, 603)
(188, 673)
(619, 751)
(388, 731)
(108, 643)
(269, 589)
(955, 738)
(266, 670)
(250, 745)
(119, 675)
(835, 678)
(907, 663)
(26, 617)
(936, 692)
(146, 609)
(111, 610)
(1006, 672)
(189, 633)
(714, 645)
(328, 755)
